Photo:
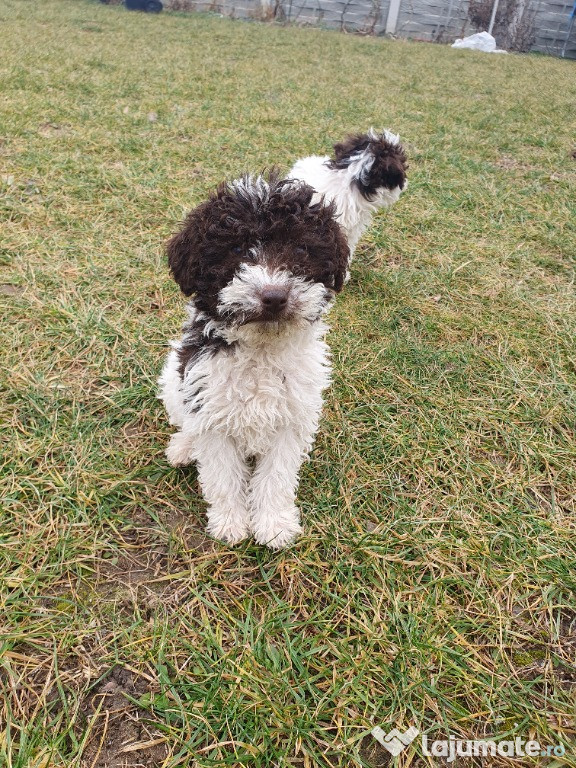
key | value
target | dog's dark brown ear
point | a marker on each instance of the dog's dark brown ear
(389, 167)
(329, 242)
(184, 253)
(342, 258)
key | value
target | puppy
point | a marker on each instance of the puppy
(262, 259)
(367, 172)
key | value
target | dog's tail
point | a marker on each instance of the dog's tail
(373, 161)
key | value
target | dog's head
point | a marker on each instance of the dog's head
(377, 162)
(258, 251)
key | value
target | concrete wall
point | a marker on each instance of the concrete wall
(433, 20)
(552, 24)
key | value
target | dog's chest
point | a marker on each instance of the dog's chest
(253, 393)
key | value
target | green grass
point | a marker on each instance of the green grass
(435, 583)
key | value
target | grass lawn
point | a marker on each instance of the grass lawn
(435, 583)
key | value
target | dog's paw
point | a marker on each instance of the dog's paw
(178, 450)
(279, 530)
(230, 526)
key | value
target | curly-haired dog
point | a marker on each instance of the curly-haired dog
(367, 172)
(263, 262)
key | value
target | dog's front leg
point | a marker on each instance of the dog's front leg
(223, 476)
(275, 518)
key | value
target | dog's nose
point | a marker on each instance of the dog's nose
(274, 299)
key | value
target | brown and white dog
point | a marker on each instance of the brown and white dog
(262, 259)
(366, 172)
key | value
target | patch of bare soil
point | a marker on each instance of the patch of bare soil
(51, 130)
(373, 753)
(511, 164)
(150, 567)
(138, 576)
(119, 734)
(114, 730)
(7, 289)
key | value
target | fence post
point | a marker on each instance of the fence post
(392, 19)
(570, 28)
(493, 17)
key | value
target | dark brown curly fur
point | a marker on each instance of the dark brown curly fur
(293, 235)
(196, 341)
(389, 167)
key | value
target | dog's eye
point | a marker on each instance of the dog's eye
(300, 250)
(237, 249)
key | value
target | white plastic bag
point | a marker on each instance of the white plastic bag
(481, 41)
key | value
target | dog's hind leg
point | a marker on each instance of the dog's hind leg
(170, 392)
(180, 450)
(275, 518)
